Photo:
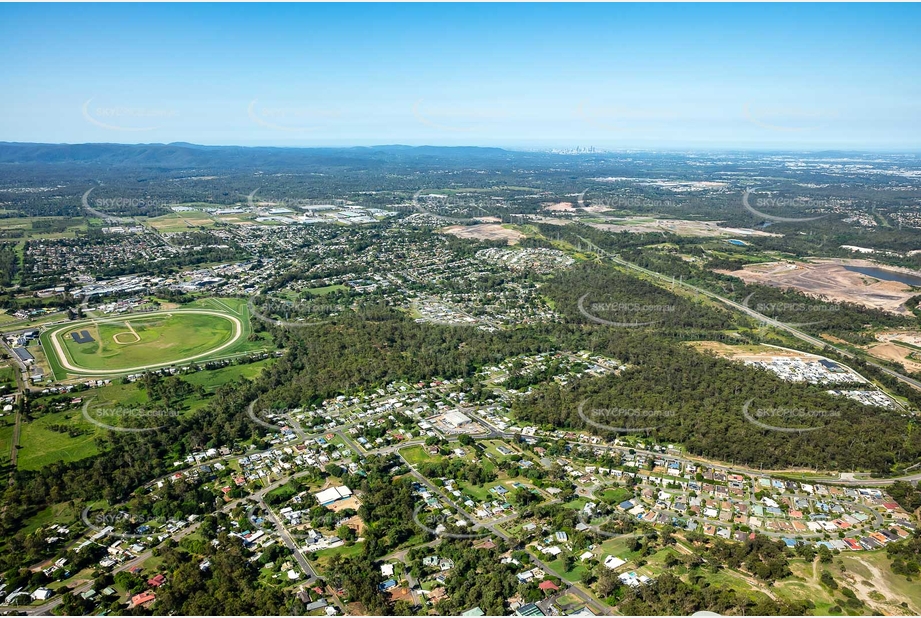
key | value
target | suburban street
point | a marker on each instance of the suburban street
(492, 527)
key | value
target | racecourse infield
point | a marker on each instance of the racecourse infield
(195, 340)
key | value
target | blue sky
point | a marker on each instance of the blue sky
(514, 75)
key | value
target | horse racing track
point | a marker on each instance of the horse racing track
(134, 343)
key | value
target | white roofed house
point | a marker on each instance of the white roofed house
(332, 494)
(613, 562)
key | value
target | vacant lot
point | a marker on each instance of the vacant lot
(901, 354)
(560, 207)
(45, 440)
(642, 225)
(484, 231)
(416, 455)
(181, 221)
(866, 573)
(7, 378)
(326, 289)
(49, 438)
(43, 227)
(212, 380)
(749, 352)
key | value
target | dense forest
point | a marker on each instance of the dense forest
(907, 495)
(9, 264)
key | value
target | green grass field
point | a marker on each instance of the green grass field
(346, 551)
(616, 495)
(7, 377)
(145, 339)
(180, 221)
(62, 513)
(480, 493)
(576, 503)
(39, 445)
(617, 546)
(212, 380)
(572, 576)
(44, 227)
(416, 455)
(6, 438)
(326, 290)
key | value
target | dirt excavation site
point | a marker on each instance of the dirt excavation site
(830, 279)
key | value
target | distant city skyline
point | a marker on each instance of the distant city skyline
(544, 76)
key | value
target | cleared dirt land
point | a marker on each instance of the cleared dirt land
(485, 231)
(641, 225)
(897, 354)
(903, 347)
(749, 352)
(181, 221)
(830, 279)
(560, 207)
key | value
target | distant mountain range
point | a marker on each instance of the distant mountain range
(183, 155)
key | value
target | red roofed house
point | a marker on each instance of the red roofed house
(547, 585)
(141, 599)
(157, 580)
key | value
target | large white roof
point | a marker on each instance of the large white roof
(332, 494)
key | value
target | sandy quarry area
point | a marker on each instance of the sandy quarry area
(560, 207)
(551, 220)
(829, 278)
(643, 225)
(596, 208)
(896, 347)
(911, 337)
(744, 353)
(570, 208)
(895, 353)
(484, 231)
(680, 227)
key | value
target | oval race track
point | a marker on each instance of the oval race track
(70, 367)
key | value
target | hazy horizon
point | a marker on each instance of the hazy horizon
(563, 148)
